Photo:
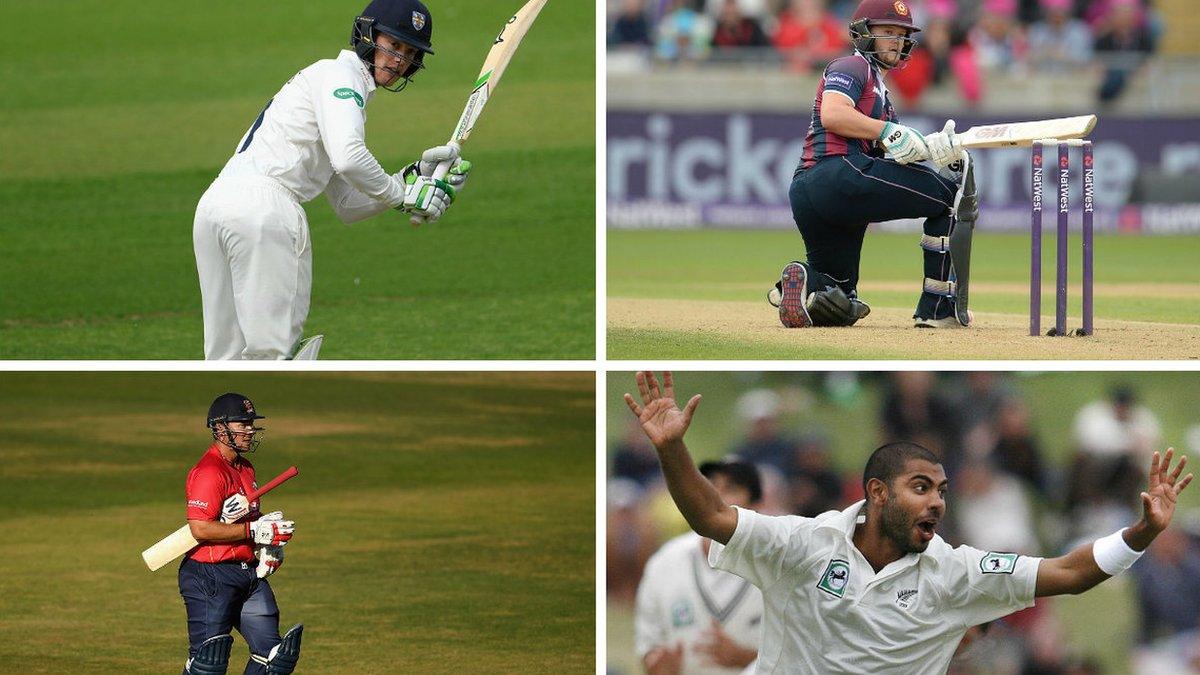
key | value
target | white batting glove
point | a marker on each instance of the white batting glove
(905, 144)
(235, 508)
(426, 198)
(459, 168)
(271, 530)
(943, 148)
(270, 559)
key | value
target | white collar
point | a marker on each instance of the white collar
(352, 57)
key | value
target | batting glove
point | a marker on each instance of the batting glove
(905, 144)
(458, 172)
(235, 508)
(270, 530)
(943, 148)
(270, 559)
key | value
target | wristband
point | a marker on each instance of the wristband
(1113, 555)
(248, 531)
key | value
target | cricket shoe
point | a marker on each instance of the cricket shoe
(945, 322)
(793, 296)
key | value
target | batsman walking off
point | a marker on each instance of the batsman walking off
(873, 588)
(223, 580)
(859, 166)
(250, 235)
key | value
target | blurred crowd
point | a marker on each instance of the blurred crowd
(960, 42)
(1005, 496)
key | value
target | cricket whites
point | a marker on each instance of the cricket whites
(181, 541)
(489, 76)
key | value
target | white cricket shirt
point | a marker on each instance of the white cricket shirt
(680, 595)
(310, 137)
(827, 611)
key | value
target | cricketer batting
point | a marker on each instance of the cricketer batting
(250, 235)
(873, 588)
(223, 580)
(860, 165)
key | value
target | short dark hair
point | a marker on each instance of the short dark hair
(889, 459)
(739, 472)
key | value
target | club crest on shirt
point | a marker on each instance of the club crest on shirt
(998, 563)
(836, 578)
(418, 20)
(906, 598)
(682, 614)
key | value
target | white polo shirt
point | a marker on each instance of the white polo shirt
(827, 611)
(679, 597)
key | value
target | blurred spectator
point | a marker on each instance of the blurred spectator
(735, 30)
(1168, 583)
(757, 9)
(630, 539)
(808, 35)
(1017, 451)
(635, 458)
(764, 441)
(1114, 441)
(1124, 43)
(683, 33)
(692, 619)
(979, 401)
(992, 509)
(998, 39)
(1059, 41)
(913, 411)
(630, 28)
(815, 487)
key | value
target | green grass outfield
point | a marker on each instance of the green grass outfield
(444, 522)
(1102, 621)
(1138, 279)
(114, 120)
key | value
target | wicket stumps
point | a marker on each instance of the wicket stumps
(1064, 203)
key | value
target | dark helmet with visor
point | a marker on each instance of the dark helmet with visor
(232, 407)
(408, 21)
(871, 13)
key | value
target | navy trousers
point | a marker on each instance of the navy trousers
(224, 596)
(834, 200)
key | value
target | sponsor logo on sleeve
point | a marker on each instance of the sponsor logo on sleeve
(998, 563)
(197, 503)
(839, 81)
(348, 93)
(836, 578)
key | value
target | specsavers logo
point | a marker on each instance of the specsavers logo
(346, 92)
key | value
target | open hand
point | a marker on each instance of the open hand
(721, 649)
(662, 420)
(1158, 501)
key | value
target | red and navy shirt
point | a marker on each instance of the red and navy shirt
(213, 480)
(858, 79)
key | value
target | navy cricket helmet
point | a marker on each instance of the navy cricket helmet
(408, 21)
(233, 407)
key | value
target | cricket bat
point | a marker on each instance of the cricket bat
(181, 541)
(1023, 134)
(489, 76)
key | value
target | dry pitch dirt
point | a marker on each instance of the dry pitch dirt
(889, 334)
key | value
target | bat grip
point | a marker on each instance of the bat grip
(274, 483)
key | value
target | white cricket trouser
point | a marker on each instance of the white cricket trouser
(254, 258)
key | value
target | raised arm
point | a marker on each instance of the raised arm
(1090, 564)
(665, 424)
